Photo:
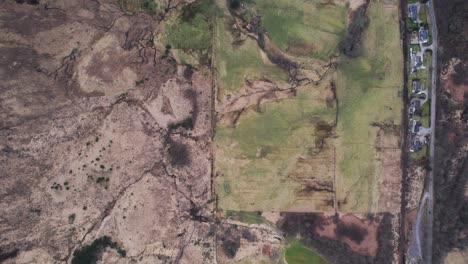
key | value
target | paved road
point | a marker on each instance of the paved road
(425, 213)
(430, 176)
(426, 206)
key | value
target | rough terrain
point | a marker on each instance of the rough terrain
(95, 139)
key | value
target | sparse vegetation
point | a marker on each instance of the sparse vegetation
(56, 186)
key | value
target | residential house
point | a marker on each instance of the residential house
(416, 61)
(416, 86)
(424, 34)
(415, 107)
(413, 13)
(415, 127)
(416, 145)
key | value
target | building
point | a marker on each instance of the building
(416, 86)
(413, 13)
(416, 61)
(416, 145)
(423, 34)
(415, 107)
(416, 126)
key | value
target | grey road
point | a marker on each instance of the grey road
(430, 176)
(423, 240)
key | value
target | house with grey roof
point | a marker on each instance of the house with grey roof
(413, 13)
(416, 86)
(424, 34)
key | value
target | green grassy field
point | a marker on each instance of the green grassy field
(190, 29)
(296, 253)
(293, 25)
(237, 63)
(368, 89)
(423, 11)
(256, 158)
(265, 159)
(246, 217)
(419, 155)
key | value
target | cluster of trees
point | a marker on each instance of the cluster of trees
(90, 254)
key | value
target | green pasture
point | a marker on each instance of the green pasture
(309, 23)
(239, 60)
(368, 89)
(296, 253)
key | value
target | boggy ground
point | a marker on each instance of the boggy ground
(100, 135)
(344, 238)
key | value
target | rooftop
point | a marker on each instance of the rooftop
(413, 12)
(416, 86)
(424, 34)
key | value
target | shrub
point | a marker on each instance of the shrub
(351, 45)
(186, 123)
(71, 218)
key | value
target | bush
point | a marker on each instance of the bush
(234, 4)
(351, 45)
(150, 6)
